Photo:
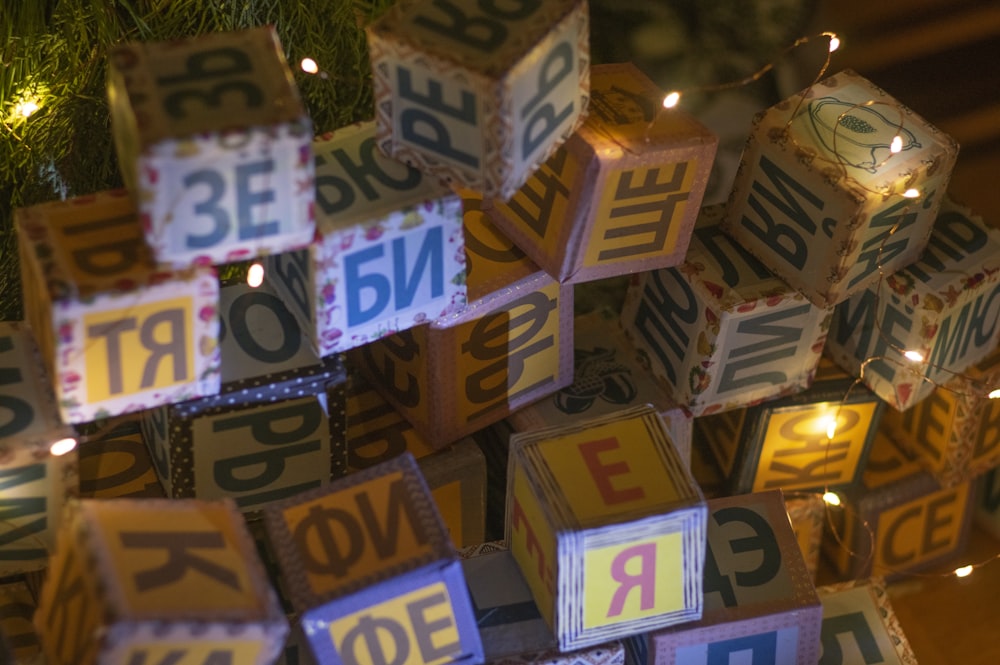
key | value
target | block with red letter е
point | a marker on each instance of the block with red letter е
(860, 626)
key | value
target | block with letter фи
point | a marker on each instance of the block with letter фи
(860, 626)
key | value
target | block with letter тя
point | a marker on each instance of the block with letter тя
(478, 94)
(607, 526)
(369, 568)
(213, 142)
(151, 580)
(117, 334)
(819, 193)
(860, 626)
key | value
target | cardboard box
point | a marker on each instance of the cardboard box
(818, 191)
(17, 634)
(478, 95)
(213, 142)
(116, 463)
(859, 625)
(807, 513)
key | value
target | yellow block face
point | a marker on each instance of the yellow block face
(201, 652)
(919, 530)
(399, 363)
(376, 431)
(533, 545)
(930, 423)
(448, 498)
(492, 259)
(886, 464)
(117, 467)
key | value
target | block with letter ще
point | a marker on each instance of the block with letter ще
(115, 462)
(213, 142)
(116, 334)
(860, 626)
(151, 580)
(622, 194)
(607, 526)
(819, 193)
(477, 94)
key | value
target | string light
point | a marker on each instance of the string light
(255, 275)
(994, 394)
(834, 41)
(309, 66)
(912, 193)
(25, 108)
(914, 356)
(831, 498)
(963, 571)
(62, 446)
(671, 100)
(896, 145)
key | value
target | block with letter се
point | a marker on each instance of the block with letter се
(477, 94)
(213, 141)
(607, 526)
(116, 334)
(115, 462)
(860, 626)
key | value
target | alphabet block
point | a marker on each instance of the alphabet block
(818, 195)
(860, 626)
(152, 580)
(116, 463)
(721, 331)
(607, 526)
(17, 634)
(478, 95)
(987, 512)
(945, 306)
(807, 514)
(117, 335)
(493, 261)
(388, 248)
(371, 571)
(622, 194)
(213, 143)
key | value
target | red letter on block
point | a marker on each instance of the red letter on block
(602, 473)
(645, 579)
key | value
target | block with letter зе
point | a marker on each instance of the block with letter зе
(477, 94)
(721, 331)
(213, 142)
(819, 194)
(115, 462)
(117, 334)
(156, 580)
(607, 526)
(388, 252)
(370, 570)
(622, 194)
(860, 626)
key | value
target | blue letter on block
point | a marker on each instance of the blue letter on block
(763, 649)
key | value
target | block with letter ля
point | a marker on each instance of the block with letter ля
(819, 190)
(115, 462)
(607, 527)
(213, 141)
(860, 626)
(477, 94)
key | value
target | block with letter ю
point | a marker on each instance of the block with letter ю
(807, 513)
(213, 141)
(17, 634)
(607, 526)
(860, 626)
(944, 306)
(117, 334)
(148, 580)
(818, 195)
(622, 194)
(115, 462)
(371, 571)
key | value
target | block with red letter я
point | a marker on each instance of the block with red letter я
(607, 526)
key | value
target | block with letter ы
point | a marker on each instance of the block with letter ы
(818, 192)
(607, 526)
(721, 331)
(115, 462)
(807, 513)
(860, 626)
(944, 306)
(388, 248)
(147, 580)
(213, 141)
(17, 634)
(622, 194)
(117, 334)
(987, 513)
(370, 569)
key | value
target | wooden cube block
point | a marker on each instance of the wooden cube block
(818, 190)
(493, 261)
(143, 580)
(807, 513)
(17, 634)
(622, 194)
(479, 95)
(720, 331)
(117, 334)
(371, 571)
(213, 143)
(607, 526)
(388, 248)
(987, 514)
(943, 306)
(860, 626)
(116, 463)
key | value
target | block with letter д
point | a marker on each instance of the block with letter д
(607, 526)
(860, 626)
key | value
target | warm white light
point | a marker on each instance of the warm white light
(309, 66)
(829, 424)
(62, 446)
(994, 394)
(834, 43)
(26, 108)
(896, 145)
(671, 100)
(964, 571)
(255, 275)
(831, 498)
(911, 193)
(914, 356)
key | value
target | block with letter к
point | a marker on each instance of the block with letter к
(860, 626)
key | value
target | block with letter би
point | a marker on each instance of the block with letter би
(721, 331)
(860, 626)
(370, 570)
(153, 580)
(117, 334)
(622, 194)
(213, 142)
(819, 195)
(607, 526)
(115, 462)
(17, 633)
(388, 252)
(477, 94)
(942, 306)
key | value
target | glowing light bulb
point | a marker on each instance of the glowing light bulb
(994, 394)
(309, 66)
(26, 108)
(964, 571)
(62, 446)
(912, 193)
(829, 424)
(834, 43)
(255, 275)
(914, 356)
(896, 145)
(671, 100)
(831, 498)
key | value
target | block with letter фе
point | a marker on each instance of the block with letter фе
(860, 626)
(607, 526)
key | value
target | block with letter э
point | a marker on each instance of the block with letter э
(721, 331)
(818, 195)
(213, 141)
(388, 248)
(607, 526)
(476, 94)
(622, 194)
(17, 633)
(860, 626)
(115, 462)
(370, 569)
(151, 580)
(117, 334)
(945, 306)
(807, 513)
